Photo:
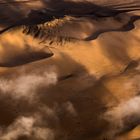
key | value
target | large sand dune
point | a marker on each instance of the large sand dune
(79, 83)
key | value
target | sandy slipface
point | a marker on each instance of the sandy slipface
(84, 88)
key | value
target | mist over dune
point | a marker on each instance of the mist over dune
(69, 70)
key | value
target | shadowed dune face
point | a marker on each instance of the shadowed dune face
(76, 78)
(12, 11)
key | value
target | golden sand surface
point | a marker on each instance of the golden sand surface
(88, 90)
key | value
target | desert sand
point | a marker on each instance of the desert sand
(83, 88)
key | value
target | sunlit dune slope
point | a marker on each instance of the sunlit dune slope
(71, 90)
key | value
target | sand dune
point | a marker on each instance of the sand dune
(78, 79)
